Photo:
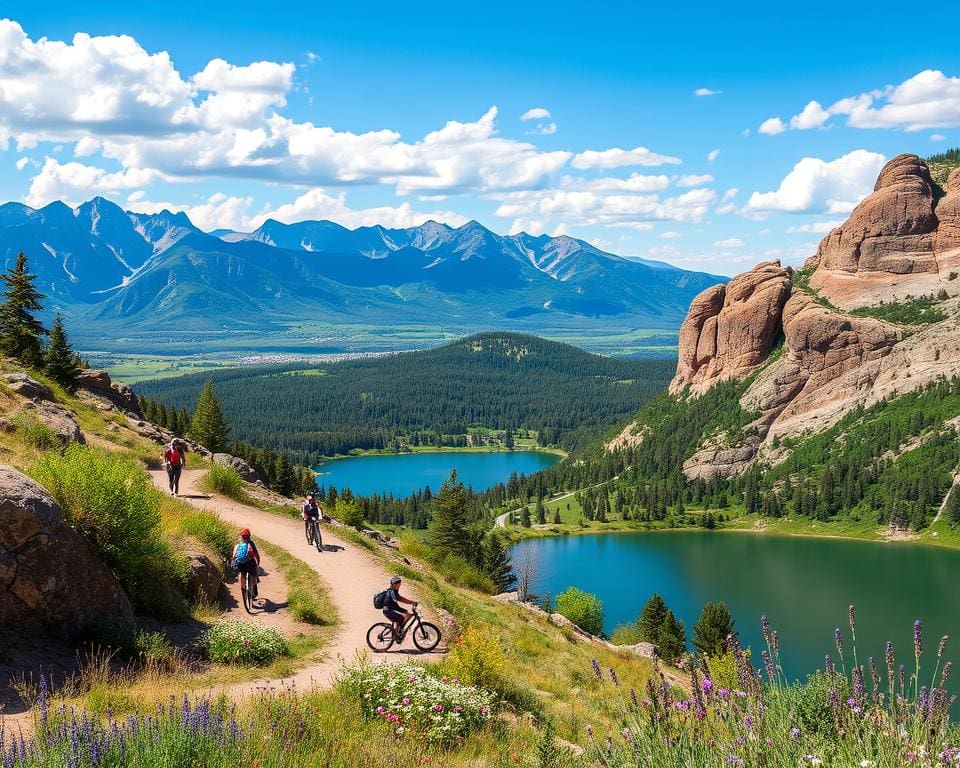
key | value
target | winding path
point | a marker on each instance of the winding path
(351, 573)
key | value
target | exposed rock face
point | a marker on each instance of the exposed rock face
(99, 383)
(731, 329)
(59, 419)
(50, 579)
(898, 242)
(243, 469)
(26, 387)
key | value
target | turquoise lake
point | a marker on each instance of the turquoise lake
(804, 585)
(405, 473)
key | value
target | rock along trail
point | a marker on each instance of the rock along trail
(351, 573)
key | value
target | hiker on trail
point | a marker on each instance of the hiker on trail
(309, 511)
(174, 457)
(392, 609)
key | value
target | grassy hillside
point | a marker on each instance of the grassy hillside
(498, 380)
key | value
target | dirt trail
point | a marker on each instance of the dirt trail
(351, 573)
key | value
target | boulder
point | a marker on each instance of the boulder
(948, 214)
(205, 578)
(50, 578)
(99, 384)
(243, 469)
(731, 329)
(58, 418)
(26, 387)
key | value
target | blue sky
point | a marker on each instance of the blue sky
(237, 112)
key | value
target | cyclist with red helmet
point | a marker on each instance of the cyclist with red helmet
(247, 557)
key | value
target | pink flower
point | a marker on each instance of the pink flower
(458, 709)
(406, 700)
(438, 707)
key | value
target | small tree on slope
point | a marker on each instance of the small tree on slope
(59, 360)
(20, 331)
(712, 628)
(209, 427)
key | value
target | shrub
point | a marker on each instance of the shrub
(208, 529)
(110, 501)
(35, 432)
(582, 608)
(413, 701)
(626, 634)
(238, 642)
(225, 480)
(349, 513)
(477, 658)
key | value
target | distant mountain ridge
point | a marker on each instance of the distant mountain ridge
(101, 264)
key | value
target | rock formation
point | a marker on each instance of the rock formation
(50, 579)
(98, 383)
(246, 472)
(24, 386)
(730, 329)
(892, 245)
(900, 237)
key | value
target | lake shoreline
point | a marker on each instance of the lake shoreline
(427, 449)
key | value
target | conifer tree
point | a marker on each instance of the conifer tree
(496, 563)
(20, 331)
(556, 516)
(652, 619)
(953, 506)
(525, 517)
(60, 362)
(673, 638)
(712, 628)
(285, 483)
(209, 427)
(448, 527)
(541, 512)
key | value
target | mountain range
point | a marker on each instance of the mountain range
(108, 269)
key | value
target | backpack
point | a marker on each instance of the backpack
(244, 552)
(380, 599)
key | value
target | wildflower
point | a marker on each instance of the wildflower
(838, 640)
(917, 638)
(942, 647)
(768, 665)
(794, 733)
(406, 701)
(596, 669)
(613, 677)
(706, 684)
(947, 669)
(748, 722)
(765, 629)
(812, 760)
(853, 620)
(890, 661)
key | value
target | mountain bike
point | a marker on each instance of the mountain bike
(246, 592)
(313, 535)
(426, 636)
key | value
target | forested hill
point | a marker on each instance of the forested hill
(497, 380)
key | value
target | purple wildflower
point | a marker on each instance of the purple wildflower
(942, 647)
(838, 640)
(853, 619)
(917, 638)
(598, 673)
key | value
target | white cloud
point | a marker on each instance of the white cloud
(812, 116)
(544, 129)
(937, 137)
(692, 180)
(817, 227)
(670, 235)
(637, 182)
(819, 186)
(772, 126)
(22, 163)
(536, 113)
(730, 242)
(74, 183)
(706, 92)
(713, 154)
(621, 158)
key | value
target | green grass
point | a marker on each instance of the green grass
(308, 597)
(923, 310)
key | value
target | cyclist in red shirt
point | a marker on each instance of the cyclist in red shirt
(174, 457)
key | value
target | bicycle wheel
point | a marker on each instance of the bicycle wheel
(309, 535)
(245, 591)
(380, 637)
(426, 636)
(317, 537)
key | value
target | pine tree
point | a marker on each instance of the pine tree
(541, 512)
(712, 628)
(673, 638)
(20, 331)
(60, 362)
(496, 563)
(953, 506)
(525, 517)
(448, 527)
(286, 480)
(652, 619)
(556, 516)
(209, 427)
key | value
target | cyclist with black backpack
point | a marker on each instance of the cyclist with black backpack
(247, 559)
(390, 603)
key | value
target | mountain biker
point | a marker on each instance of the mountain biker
(309, 511)
(174, 457)
(247, 557)
(392, 610)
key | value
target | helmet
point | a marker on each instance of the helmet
(245, 532)
(395, 580)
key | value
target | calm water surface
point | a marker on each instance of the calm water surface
(804, 585)
(405, 473)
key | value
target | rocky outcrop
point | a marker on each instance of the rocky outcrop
(900, 241)
(23, 385)
(205, 579)
(58, 419)
(99, 384)
(243, 469)
(162, 436)
(50, 579)
(731, 329)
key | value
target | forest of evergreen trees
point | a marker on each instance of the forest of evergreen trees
(500, 381)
